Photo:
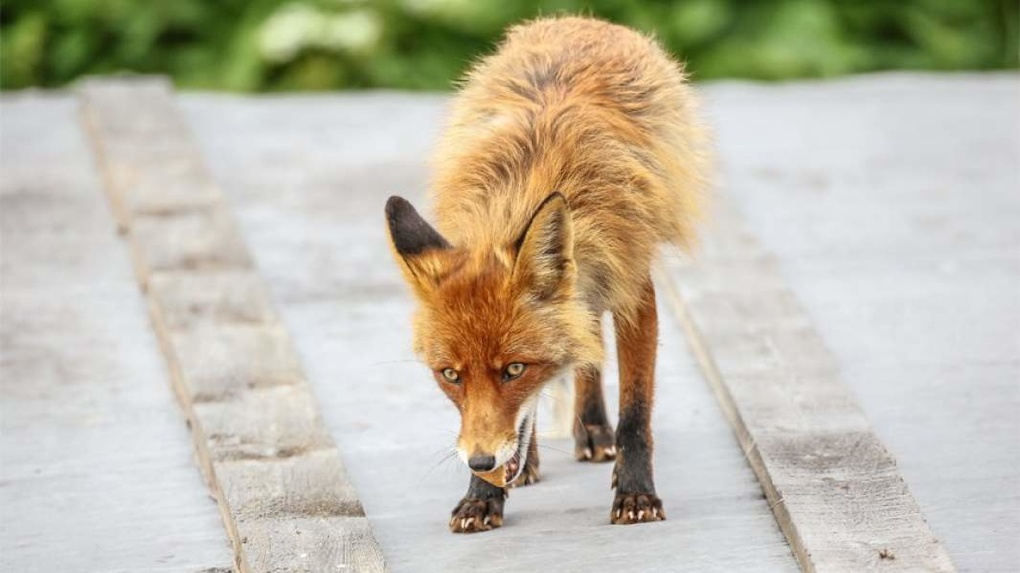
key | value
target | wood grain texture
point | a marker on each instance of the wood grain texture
(96, 465)
(902, 245)
(282, 489)
(833, 486)
(314, 220)
(203, 238)
(299, 486)
(273, 423)
(308, 544)
(187, 299)
(219, 362)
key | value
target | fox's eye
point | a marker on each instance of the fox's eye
(451, 375)
(513, 371)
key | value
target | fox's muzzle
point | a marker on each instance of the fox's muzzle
(506, 462)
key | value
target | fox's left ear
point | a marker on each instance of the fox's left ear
(417, 245)
(545, 251)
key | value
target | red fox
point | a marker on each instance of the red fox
(570, 155)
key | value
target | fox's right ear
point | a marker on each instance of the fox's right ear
(418, 247)
(545, 252)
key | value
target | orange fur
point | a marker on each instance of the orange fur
(594, 111)
(514, 273)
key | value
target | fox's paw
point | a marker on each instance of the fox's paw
(474, 515)
(594, 443)
(636, 508)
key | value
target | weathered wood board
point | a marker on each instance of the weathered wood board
(833, 486)
(96, 466)
(891, 203)
(284, 494)
(892, 235)
(308, 176)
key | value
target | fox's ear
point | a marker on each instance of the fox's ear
(417, 245)
(545, 251)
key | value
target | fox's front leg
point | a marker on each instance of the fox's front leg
(632, 477)
(481, 509)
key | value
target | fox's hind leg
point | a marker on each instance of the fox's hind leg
(632, 477)
(481, 509)
(593, 434)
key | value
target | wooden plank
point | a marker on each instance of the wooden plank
(161, 176)
(221, 362)
(303, 485)
(833, 487)
(198, 239)
(274, 423)
(898, 237)
(97, 471)
(321, 242)
(227, 297)
(310, 544)
(285, 497)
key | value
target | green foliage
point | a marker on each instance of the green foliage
(264, 45)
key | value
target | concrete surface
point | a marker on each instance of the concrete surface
(893, 204)
(308, 177)
(264, 450)
(891, 201)
(97, 470)
(834, 487)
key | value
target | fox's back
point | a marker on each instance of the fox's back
(590, 109)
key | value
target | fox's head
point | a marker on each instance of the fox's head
(495, 323)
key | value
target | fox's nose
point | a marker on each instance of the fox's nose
(481, 463)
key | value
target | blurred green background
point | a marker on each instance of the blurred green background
(265, 45)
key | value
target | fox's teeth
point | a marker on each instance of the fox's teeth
(511, 467)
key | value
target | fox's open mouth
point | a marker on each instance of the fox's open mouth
(515, 465)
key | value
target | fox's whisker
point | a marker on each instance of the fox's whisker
(444, 450)
(389, 362)
(450, 455)
(555, 449)
(545, 394)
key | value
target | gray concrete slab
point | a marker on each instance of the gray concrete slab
(893, 204)
(308, 177)
(890, 200)
(276, 474)
(96, 464)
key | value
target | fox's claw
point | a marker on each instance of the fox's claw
(594, 443)
(636, 508)
(474, 515)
